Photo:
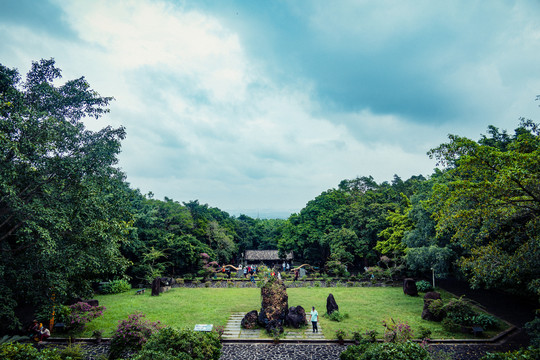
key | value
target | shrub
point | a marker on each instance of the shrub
(337, 316)
(82, 313)
(72, 352)
(116, 287)
(372, 335)
(356, 336)
(317, 284)
(459, 312)
(533, 329)
(354, 352)
(397, 331)
(522, 354)
(436, 307)
(180, 281)
(384, 351)
(18, 351)
(424, 333)
(219, 330)
(131, 335)
(171, 343)
(484, 320)
(423, 286)
(340, 334)
(459, 306)
(350, 284)
(61, 314)
(450, 326)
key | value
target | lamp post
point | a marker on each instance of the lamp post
(433, 276)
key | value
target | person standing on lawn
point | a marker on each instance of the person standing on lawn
(314, 318)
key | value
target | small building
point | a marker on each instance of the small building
(267, 257)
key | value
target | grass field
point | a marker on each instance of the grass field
(185, 307)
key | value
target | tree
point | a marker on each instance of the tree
(63, 204)
(425, 258)
(345, 245)
(400, 224)
(491, 205)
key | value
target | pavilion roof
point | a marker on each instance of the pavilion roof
(265, 255)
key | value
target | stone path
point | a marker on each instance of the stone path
(280, 351)
(233, 330)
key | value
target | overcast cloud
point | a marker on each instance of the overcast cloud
(259, 106)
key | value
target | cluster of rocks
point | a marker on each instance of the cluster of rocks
(409, 288)
(275, 312)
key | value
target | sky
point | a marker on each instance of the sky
(259, 106)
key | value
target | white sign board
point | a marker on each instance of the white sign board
(203, 327)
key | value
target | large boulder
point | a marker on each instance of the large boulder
(250, 320)
(331, 304)
(296, 317)
(274, 304)
(156, 287)
(409, 287)
(427, 314)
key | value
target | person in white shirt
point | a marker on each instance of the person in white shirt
(314, 318)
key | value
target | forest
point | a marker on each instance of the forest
(69, 218)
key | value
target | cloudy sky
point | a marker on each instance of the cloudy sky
(259, 106)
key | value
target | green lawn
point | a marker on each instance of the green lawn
(185, 307)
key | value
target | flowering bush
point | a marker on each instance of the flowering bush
(397, 331)
(132, 334)
(220, 330)
(82, 313)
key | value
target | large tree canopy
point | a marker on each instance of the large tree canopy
(63, 210)
(491, 203)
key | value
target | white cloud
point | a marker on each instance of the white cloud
(205, 122)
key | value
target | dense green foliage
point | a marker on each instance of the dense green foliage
(19, 351)
(63, 210)
(171, 343)
(521, 354)
(374, 351)
(115, 287)
(68, 218)
(490, 203)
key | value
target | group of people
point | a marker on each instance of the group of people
(286, 266)
(249, 271)
(39, 332)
